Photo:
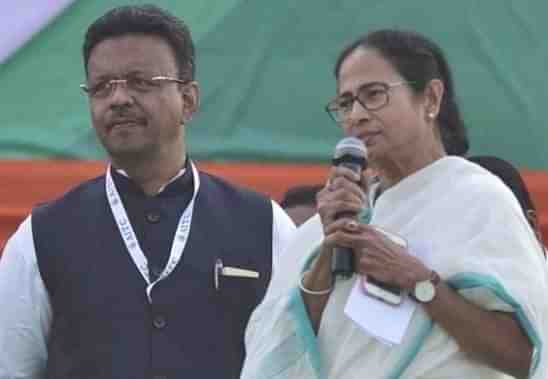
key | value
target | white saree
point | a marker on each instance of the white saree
(464, 223)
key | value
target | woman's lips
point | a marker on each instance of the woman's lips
(369, 138)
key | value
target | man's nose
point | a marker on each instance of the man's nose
(120, 95)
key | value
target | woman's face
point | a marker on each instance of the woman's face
(394, 131)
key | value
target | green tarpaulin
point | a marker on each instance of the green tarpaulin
(265, 68)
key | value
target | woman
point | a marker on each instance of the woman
(484, 313)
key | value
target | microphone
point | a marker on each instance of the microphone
(351, 153)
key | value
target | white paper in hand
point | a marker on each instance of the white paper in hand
(384, 321)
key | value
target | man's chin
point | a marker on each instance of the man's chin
(126, 150)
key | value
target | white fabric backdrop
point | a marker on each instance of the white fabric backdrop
(21, 19)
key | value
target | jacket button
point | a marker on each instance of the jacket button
(159, 322)
(153, 217)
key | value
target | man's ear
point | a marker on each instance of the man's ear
(190, 94)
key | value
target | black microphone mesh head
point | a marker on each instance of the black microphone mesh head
(350, 146)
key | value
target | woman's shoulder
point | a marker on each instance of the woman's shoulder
(481, 186)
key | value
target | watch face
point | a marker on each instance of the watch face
(424, 291)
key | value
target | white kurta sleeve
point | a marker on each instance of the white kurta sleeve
(25, 310)
(282, 232)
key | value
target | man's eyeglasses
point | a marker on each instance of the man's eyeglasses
(371, 96)
(104, 89)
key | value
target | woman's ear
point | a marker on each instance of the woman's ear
(433, 95)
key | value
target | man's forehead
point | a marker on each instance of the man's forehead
(131, 53)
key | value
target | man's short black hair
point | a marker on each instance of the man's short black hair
(300, 195)
(144, 19)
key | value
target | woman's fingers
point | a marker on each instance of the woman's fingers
(345, 172)
(340, 198)
(344, 234)
(338, 209)
(346, 224)
(338, 182)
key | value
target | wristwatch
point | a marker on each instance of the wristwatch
(425, 290)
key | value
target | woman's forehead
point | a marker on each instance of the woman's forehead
(364, 66)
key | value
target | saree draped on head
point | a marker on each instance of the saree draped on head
(462, 222)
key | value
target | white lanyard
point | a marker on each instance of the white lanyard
(130, 239)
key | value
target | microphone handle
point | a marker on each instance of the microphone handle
(342, 260)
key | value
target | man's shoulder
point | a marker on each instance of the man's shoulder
(77, 197)
(223, 203)
(216, 183)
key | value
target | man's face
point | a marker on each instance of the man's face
(131, 122)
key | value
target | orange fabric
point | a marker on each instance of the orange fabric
(26, 183)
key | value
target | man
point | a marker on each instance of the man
(152, 270)
(300, 202)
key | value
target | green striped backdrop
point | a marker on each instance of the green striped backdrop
(265, 71)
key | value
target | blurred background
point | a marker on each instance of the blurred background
(265, 71)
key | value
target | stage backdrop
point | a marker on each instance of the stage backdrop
(265, 72)
(26, 183)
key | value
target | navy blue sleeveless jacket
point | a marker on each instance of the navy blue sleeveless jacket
(103, 324)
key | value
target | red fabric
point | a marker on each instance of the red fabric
(26, 183)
